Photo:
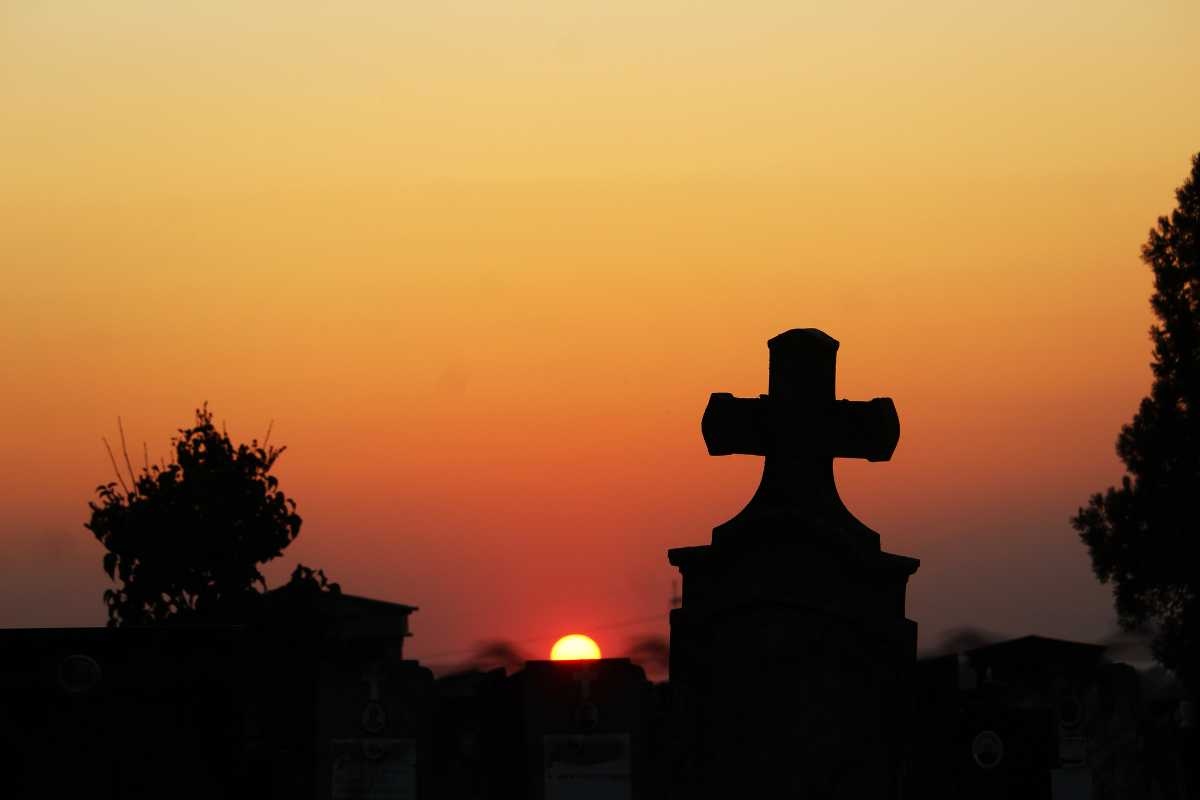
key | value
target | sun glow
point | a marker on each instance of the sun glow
(575, 647)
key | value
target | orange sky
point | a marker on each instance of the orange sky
(482, 264)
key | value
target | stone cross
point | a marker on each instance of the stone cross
(799, 426)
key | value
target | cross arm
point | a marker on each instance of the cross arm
(867, 429)
(848, 429)
(735, 425)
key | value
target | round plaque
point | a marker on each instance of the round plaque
(587, 716)
(78, 673)
(1070, 711)
(374, 717)
(987, 749)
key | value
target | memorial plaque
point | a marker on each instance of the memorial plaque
(1071, 784)
(374, 769)
(1072, 751)
(987, 748)
(587, 766)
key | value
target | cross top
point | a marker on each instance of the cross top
(800, 427)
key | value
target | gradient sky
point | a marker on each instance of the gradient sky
(482, 263)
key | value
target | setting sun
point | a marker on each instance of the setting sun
(575, 647)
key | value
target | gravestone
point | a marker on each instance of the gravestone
(791, 657)
(584, 730)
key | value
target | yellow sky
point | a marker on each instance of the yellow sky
(482, 263)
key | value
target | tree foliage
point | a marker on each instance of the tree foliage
(185, 540)
(1142, 535)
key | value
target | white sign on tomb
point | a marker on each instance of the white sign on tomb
(587, 766)
(374, 769)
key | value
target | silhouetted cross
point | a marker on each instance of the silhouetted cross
(799, 426)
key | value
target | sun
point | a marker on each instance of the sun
(575, 647)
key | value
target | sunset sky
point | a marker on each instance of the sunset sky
(481, 263)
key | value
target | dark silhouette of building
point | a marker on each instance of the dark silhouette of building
(313, 699)
(1043, 718)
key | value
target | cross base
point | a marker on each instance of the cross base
(791, 663)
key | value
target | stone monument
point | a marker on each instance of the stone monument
(791, 657)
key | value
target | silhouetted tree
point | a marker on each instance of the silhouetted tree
(652, 652)
(185, 539)
(1143, 535)
(494, 653)
(960, 640)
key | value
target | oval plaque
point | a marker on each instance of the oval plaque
(987, 749)
(374, 717)
(78, 673)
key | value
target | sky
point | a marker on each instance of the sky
(479, 265)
